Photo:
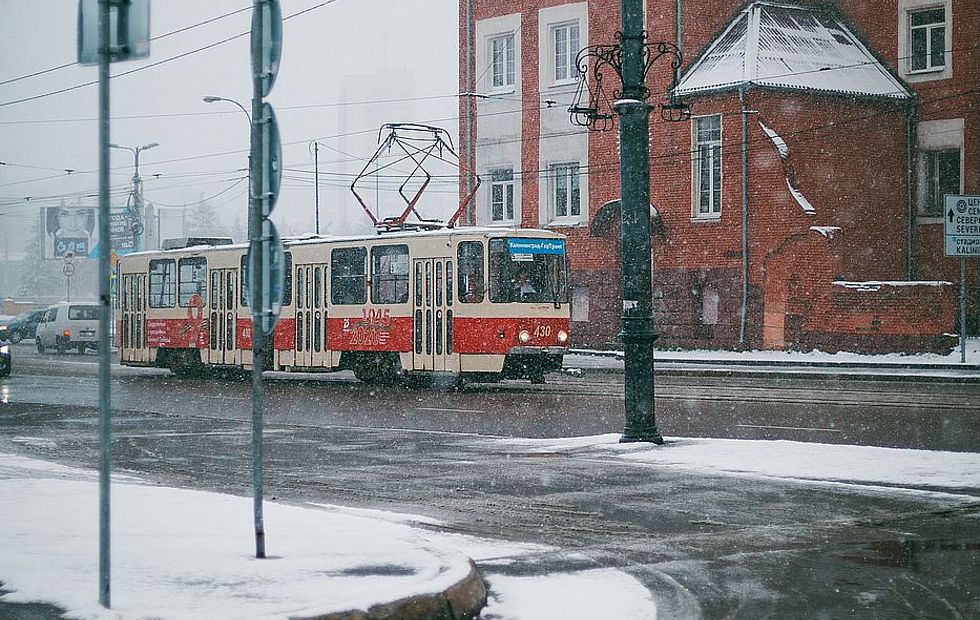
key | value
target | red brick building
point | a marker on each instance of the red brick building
(799, 206)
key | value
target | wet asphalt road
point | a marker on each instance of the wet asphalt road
(707, 546)
(891, 411)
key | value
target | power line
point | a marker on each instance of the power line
(337, 104)
(596, 168)
(157, 38)
(159, 62)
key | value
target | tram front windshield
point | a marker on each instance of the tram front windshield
(528, 270)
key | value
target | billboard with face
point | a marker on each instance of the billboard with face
(69, 230)
(74, 230)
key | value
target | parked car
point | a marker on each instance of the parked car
(24, 325)
(68, 325)
(6, 363)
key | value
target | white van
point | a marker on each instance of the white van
(69, 325)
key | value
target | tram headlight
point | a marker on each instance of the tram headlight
(524, 336)
(562, 336)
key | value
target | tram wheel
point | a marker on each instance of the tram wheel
(380, 369)
(186, 364)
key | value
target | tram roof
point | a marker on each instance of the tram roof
(467, 231)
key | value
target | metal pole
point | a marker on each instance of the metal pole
(469, 155)
(316, 176)
(137, 200)
(256, 187)
(962, 310)
(637, 333)
(105, 444)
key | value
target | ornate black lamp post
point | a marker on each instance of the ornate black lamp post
(631, 58)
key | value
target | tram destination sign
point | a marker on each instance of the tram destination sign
(961, 222)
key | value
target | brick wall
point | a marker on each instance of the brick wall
(807, 308)
(847, 156)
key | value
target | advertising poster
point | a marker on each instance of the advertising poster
(75, 230)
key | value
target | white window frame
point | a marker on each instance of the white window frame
(933, 136)
(571, 183)
(927, 185)
(508, 64)
(502, 181)
(931, 72)
(715, 158)
(565, 59)
(928, 30)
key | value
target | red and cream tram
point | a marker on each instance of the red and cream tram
(468, 303)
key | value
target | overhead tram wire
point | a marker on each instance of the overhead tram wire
(159, 62)
(156, 38)
(235, 184)
(596, 168)
(376, 101)
(222, 112)
(604, 168)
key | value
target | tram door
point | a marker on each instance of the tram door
(433, 315)
(134, 318)
(222, 317)
(311, 315)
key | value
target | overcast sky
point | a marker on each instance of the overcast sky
(347, 67)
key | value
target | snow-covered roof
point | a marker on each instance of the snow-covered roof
(793, 47)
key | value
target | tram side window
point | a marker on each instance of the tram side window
(470, 279)
(163, 283)
(348, 280)
(245, 301)
(192, 279)
(287, 282)
(389, 274)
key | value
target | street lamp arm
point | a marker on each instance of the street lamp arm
(214, 99)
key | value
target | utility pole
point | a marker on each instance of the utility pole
(136, 196)
(316, 181)
(631, 58)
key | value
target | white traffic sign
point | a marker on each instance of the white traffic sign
(961, 221)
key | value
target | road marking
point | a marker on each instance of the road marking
(792, 428)
(451, 410)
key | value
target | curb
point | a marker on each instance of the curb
(461, 601)
(890, 365)
(863, 373)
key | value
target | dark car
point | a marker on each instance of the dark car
(5, 363)
(24, 325)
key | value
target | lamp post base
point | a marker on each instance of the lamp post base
(645, 435)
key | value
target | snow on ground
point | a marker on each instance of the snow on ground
(972, 356)
(534, 597)
(189, 554)
(930, 469)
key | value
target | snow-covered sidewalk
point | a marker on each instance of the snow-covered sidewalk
(181, 554)
(898, 468)
(189, 554)
(925, 360)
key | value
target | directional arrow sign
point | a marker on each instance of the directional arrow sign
(266, 43)
(268, 152)
(270, 268)
(961, 223)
